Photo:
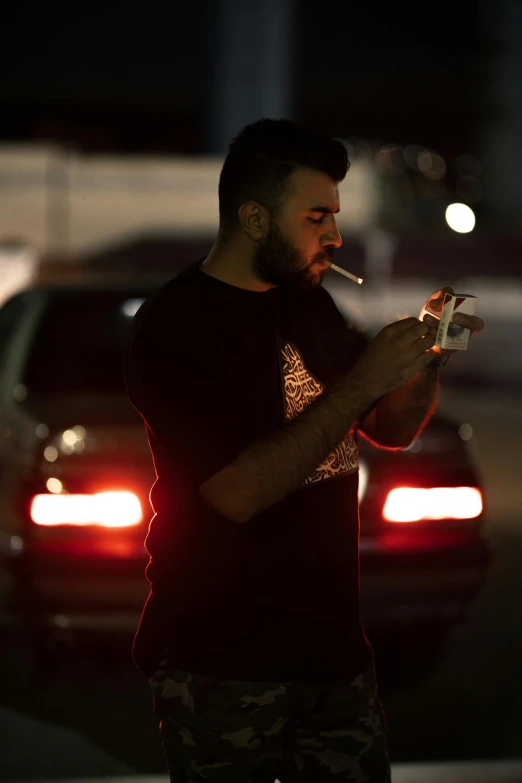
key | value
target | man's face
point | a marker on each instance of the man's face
(304, 236)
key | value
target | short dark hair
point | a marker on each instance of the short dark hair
(261, 159)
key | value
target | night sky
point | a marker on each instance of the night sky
(137, 78)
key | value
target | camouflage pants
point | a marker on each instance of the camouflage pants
(230, 731)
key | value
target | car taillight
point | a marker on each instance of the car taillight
(412, 504)
(107, 509)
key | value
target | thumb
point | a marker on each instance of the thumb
(437, 299)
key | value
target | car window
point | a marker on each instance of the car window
(80, 345)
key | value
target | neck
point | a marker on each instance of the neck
(231, 263)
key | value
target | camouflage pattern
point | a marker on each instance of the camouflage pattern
(232, 731)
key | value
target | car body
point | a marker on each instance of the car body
(67, 430)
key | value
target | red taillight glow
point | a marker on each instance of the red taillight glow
(107, 509)
(411, 504)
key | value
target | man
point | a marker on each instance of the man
(253, 389)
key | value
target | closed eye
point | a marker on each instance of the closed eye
(318, 220)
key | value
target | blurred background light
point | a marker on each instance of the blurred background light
(51, 454)
(54, 485)
(131, 306)
(411, 155)
(389, 160)
(431, 164)
(42, 431)
(69, 437)
(466, 431)
(19, 392)
(460, 218)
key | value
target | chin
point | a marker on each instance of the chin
(309, 283)
(315, 281)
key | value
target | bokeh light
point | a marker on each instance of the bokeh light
(54, 485)
(51, 454)
(411, 155)
(460, 218)
(431, 164)
(389, 160)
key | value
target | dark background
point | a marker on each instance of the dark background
(140, 77)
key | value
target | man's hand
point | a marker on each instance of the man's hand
(435, 303)
(396, 354)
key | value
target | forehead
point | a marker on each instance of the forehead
(308, 188)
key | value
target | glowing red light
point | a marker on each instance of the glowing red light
(107, 509)
(412, 504)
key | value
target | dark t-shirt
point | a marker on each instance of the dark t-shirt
(212, 368)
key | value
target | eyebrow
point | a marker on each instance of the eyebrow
(323, 210)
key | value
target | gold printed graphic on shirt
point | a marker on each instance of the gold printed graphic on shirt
(301, 389)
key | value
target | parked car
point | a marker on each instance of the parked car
(75, 475)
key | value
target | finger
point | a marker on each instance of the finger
(436, 300)
(406, 323)
(424, 359)
(431, 320)
(469, 321)
(419, 329)
(424, 344)
(436, 305)
(432, 332)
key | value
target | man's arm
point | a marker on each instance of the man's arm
(401, 415)
(273, 467)
(269, 469)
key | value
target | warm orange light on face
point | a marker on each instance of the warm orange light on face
(107, 509)
(411, 504)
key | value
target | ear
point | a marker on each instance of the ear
(254, 220)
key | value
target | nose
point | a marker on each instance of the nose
(332, 237)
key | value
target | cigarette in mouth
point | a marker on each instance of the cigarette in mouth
(346, 274)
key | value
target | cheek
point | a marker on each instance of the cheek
(308, 240)
(303, 238)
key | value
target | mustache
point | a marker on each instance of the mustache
(326, 255)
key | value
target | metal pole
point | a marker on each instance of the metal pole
(252, 73)
(501, 99)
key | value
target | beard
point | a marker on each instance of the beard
(279, 262)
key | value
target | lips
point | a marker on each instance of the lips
(323, 259)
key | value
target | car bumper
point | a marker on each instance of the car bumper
(61, 591)
(82, 622)
(398, 587)
(411, 588)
